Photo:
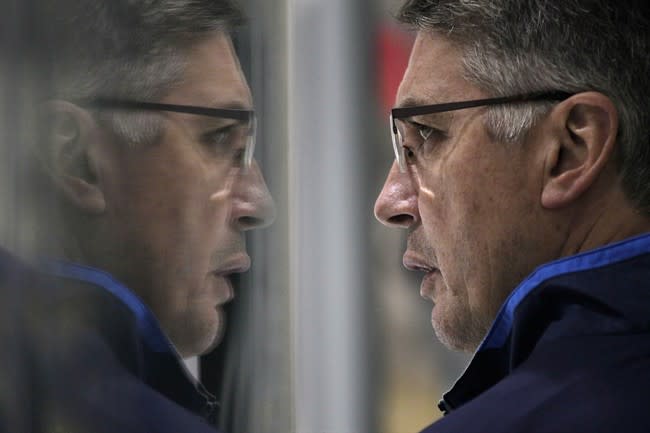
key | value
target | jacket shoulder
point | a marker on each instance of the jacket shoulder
(557, 391)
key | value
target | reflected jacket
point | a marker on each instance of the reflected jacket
(96, 359)
(569, 351)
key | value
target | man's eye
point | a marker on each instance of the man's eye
(222, 141)
(218, 137)
(428, 132)
(424, 131)
(422, 148)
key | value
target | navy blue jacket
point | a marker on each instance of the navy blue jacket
(93, 358)
(568, 352)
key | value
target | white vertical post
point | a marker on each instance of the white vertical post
(324, 200)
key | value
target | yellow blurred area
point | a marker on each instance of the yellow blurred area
(408, 405)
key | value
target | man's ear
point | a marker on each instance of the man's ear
(584, 129)
(68, 152)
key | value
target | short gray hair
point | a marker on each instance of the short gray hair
(520, 46)
(126, 49)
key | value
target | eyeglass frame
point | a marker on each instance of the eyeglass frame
(222, 113)
(421, 110)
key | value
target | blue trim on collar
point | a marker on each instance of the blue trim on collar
(147, 325)
(607, 255)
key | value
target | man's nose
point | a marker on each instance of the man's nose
(397, 204)
(253, 205)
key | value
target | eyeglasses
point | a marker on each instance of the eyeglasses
(247, 117)
(396, 128)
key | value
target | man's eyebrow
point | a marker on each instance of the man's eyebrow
(231, 105)
(411, 102)
(210, 121)
(414, 102)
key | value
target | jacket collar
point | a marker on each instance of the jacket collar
(148, 327)
(163, 368)
(588, 279)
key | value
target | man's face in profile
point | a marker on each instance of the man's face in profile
(177, 209)
(467, 200)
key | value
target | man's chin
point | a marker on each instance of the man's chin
(456, 335)
(205, 337)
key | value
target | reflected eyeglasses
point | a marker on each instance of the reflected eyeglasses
(245, 116)
(397, 134)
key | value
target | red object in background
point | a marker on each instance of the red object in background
(394, 47)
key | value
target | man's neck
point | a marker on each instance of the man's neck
(603, 223)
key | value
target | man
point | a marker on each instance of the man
(528, 208)
(143, 187)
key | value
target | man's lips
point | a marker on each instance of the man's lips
(235, 264)
(413, 261)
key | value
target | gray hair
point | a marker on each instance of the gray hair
(520, 46)
(132, 49)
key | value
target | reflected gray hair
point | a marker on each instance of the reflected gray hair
(133, 49)
(520, 46)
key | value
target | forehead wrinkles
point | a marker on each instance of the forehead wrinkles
(434, 73)
(214, 76)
